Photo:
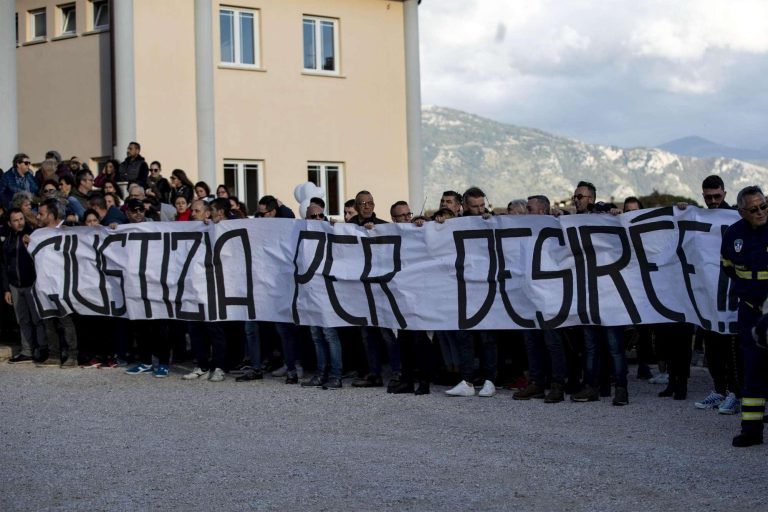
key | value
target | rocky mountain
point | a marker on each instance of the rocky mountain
(703, 148)
(511, 162)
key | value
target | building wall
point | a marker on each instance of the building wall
(64, 87)
(277, 115)
(287, 118)
(164, 62)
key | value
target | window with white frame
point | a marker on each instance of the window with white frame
(37, 28)
(329, 177)
(68, 19)
(321, 45)
(100, 10)
(245, 180)
(238, 36)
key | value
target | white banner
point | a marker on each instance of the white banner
(508, 272)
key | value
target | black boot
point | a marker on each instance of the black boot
(671, 387)
(681, 391)
(422, 388)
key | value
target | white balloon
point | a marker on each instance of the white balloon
(303, 208)
(297, 192)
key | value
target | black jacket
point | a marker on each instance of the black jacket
(18, 265)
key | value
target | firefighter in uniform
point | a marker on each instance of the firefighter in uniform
(744, 258)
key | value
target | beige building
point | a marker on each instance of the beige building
(260, 94)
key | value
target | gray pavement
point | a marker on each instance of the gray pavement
(103, 440)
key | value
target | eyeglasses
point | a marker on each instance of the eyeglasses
(365, 203)
(579, 197)
(316, 216)
(756, 209)
(712, 197)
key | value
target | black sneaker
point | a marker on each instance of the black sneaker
(291, 378)
(21, 358)
(744, 440)
(532, 390)
(249, 376)
(369, 381)
(394, 383)
(555, 394)
(620, 396)
(401, 387)
(588, 394)
(332, 383)
(422, 388)
(314, 382)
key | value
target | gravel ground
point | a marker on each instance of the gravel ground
(103, 440)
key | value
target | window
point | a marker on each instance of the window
(37, 28)
(321, 45)
(238, 36)
(100, 14)
(244, 179)
(329, 178)
(68, 21)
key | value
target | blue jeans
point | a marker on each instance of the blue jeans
(538, 343)
(203, 333)
(449, 347)
(328, 349)
(373, 349)
(490, 354)
(594, 337)
(253, 344)
(289, 336)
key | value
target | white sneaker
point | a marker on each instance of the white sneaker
(463, 388)
(488, 389)
(197, 373)
(662, 378)
(731, 405)
(280, 372)
(217, 375)
(299, 370)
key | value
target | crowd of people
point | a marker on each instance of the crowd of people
(585, 363)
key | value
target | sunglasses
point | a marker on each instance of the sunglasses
(710, 197)
(760, 208)
(579, 197)
(49, 190)
(316, 216)
(156, 170)
(27, 162)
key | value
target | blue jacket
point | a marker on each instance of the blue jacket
(12, 182)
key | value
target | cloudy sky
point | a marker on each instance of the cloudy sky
(623, 72)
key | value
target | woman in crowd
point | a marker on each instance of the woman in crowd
(203, 192)
(108, 173)
(236, 208)
(23, 201)
(91, 218)
(222, 191)
(50, 188)
(181, 186)
(111, 187)
(182, 208)
(112, 199)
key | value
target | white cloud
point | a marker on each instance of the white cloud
(524, 61)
